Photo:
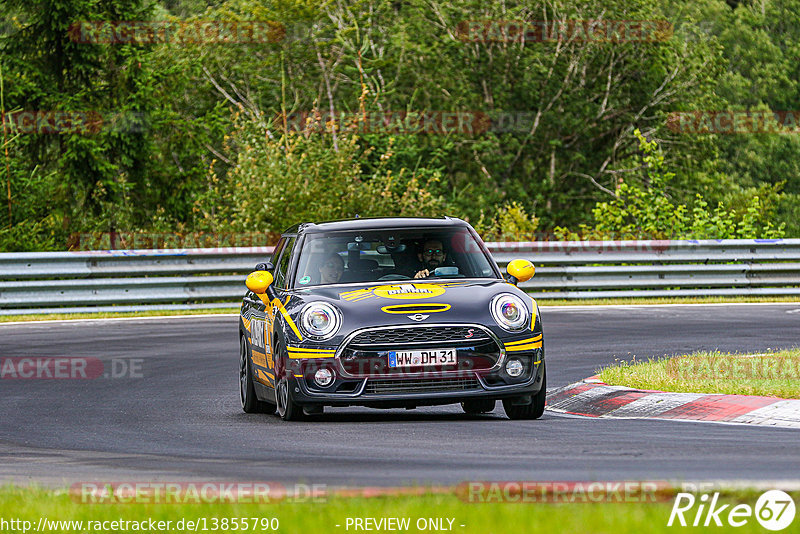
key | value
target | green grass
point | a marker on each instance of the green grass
(773, 374)
(322, 517)
(665, 300)
(112, 315)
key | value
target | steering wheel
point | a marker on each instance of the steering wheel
(394, 276)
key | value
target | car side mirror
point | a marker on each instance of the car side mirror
(264, 266)
(519, 271)
(258, 281)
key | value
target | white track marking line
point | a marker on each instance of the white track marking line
(783, 413)
(654, 404)
(585, 307)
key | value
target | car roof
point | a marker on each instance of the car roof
(377, 223)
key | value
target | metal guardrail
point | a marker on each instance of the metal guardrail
(131, 280)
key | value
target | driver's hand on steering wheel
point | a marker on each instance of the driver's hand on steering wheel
(424, 273)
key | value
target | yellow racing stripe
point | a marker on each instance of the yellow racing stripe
(357, 294)
(518, 348)
(259, 358)
(282, 309)
(524, 341)
(297, 353)
(301, 355)
(263, 377)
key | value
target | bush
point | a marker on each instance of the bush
(645, 210)
(510, 223)
(280, 180)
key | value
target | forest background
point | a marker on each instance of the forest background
(332, 109)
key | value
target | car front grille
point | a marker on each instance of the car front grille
(424, 385)
(367, 353)
(418, 335)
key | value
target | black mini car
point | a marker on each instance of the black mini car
(389, 313)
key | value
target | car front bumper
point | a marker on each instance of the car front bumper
(411, 391)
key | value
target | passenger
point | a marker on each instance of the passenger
(431, 256)
(330, 272)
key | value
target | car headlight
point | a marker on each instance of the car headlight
(509, 312)
(320, 320)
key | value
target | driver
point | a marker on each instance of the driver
(431, 256)
(330, 272)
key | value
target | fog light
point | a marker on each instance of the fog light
(323, 377)
(514, 368)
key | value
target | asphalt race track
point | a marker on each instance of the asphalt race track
(181, 419)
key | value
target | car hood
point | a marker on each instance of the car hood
(411, 302)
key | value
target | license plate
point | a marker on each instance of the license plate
(417, 358)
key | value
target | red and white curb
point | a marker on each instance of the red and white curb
(593, 398)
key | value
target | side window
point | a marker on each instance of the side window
(277, 252)
(283, 264)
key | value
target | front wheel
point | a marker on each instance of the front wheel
(287, 409)
(534, 410)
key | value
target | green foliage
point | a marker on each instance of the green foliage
(761, 44)
(200, 151)
(510, 223)
(281, 180)
(563, 118)
(644, 209)
(142, 158)
(710, 225)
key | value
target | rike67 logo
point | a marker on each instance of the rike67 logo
(774, 510)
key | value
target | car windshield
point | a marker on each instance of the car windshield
(388, 255)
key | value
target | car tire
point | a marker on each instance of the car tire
(287, 409)
(247, 391)
(478, 406)
(534, 410)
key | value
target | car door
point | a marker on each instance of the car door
(258, 312)
(263, 360)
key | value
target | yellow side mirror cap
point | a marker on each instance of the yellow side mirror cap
(522, 270)
(258, 281)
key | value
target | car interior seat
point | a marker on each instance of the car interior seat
(359, 271)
